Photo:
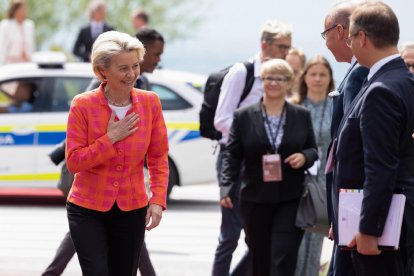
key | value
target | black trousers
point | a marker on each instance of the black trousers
(107, 243)
(272, 236)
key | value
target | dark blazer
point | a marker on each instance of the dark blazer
(247, 144)
(375, 151)
(348, 89)
(84, 42)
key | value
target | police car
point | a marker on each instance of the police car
(28, 135)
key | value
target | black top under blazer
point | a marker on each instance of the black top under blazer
(248, 142)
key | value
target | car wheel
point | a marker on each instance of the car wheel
(173, 178)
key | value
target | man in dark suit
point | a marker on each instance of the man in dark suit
(89, 33)
(336, 27)
(375, 151)
(154, 47)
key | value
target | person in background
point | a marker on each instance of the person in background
(374, 150)
(336, 30)
(153, 42)
(140, 20)
(154, 45)
(22, 99)
(274, 158)
(275, 42)
(17, 35)
(66, 249)
(297, 60)
(315, 84)
(112, 131)
(88, 34)
(407, 54)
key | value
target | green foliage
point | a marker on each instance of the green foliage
(58, 21)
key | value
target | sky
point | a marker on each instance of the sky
(230, 32)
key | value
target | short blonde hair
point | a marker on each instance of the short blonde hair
(273, 29)
(112, 43)
(276, 66)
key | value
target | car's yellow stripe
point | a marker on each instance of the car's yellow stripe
(30, 177)
(49, 128)
(62, 127)
(183, 125)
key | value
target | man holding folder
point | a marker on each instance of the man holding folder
(374, 150)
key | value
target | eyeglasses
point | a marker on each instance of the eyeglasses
(279, 80)
(323, 34)
(348, 41)
(409, 65)
(282, 47)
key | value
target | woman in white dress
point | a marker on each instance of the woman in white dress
(16, 35)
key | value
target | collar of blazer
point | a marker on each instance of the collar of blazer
(391, 65)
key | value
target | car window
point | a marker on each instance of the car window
(49, 94)
(56, 93)
(64, 90)
(170, 100)
(18, 96)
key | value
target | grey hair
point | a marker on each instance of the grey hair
(409, 45)
(95, 5)
(341, 11)
(272, 29)
(112, 43)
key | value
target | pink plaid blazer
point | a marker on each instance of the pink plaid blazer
(105, 172)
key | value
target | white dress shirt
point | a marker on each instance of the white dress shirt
(374, 68)
(231, 92)
(97, 28)
(16, 39)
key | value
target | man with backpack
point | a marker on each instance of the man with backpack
(241, 86)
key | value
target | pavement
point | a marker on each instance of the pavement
(183, 245)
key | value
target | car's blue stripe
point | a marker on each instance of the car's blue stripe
(193, 134)
(53, 138)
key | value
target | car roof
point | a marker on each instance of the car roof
(194, 79)
(32, 70)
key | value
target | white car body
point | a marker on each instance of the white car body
(26, 139)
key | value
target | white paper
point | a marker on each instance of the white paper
(315, 167)
(350, 202)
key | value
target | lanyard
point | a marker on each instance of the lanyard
(267, 121)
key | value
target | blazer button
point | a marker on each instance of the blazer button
(119, 167)
(119, 152)
(116, 184)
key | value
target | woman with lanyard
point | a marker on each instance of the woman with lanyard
(274, 142)
(315, 84)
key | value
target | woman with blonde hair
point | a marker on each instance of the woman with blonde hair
(111, 132)
(273, 141)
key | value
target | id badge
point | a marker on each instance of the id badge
(272, 168)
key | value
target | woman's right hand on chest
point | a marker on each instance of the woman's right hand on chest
(121, 129)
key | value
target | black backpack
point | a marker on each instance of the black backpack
(211, 96)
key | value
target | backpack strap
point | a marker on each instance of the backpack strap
(249, 80)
